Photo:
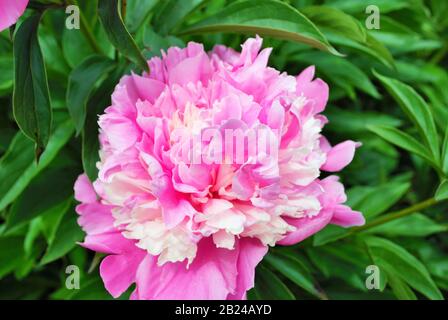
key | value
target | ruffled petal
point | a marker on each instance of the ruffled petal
(315, 90)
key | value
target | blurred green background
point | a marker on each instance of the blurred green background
(386, 68)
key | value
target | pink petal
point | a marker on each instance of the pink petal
(174, 207)
(118, 271)
(344, 216)
(315, 90)
(191, 70)
(252, 252)
(250, 50)
(148, 89)
(110, 243)
(306, 227)
(10, 11)
(340, 156)
(84, 191)
(212, 275)
(276, 116)
(95, 218)
(334, 192)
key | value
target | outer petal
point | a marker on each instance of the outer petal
(252, 252)
(110, 243)
(340, 156)
(10, 11)
(306, 227)
(212, 275)
(84, 191)
(346, 217)
(95, 218)
(118, 271)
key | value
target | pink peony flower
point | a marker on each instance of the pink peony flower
(10, 11)
(184, 216)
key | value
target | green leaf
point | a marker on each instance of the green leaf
(90, 147)
(32, 109)
(67, 235)
(154, 42)
(34, 230)
(269, 287)
(359, 6)
(416, 109)
(51, 219)
(137, 11)
(292, 268)
(401, 39)
(329, 234)
(445, 153)
(110, 17)
(171, 13)
(432, 255)
(436, 101)
(371, 201)
(52, 52)
(400, 289)
(400, 44)
(7, 75)
(11, 254)
(342, 261)
(99, 100)
(339, 70)
(371, 46)
(82, 82)
(442, 191)
(36, 199)
(75, 47)
(415, 225)
(17, 167)
(382, 198)
(403, 265)
(359, 121)
(402, 140)
(337, 21)
(92, 288)
(14, 162)
(264, 17)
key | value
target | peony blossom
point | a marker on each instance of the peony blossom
(10, 11)
(184, 228)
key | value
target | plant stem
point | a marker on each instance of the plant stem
(123, 9)
(397, 214)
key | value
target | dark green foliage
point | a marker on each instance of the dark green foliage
(388, 90)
